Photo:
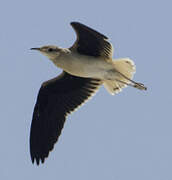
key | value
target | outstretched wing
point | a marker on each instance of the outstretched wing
(90, 42)
(56, 99)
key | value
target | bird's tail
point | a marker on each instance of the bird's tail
(125, 70)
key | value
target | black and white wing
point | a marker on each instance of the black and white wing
(90, 42)
(56, 99)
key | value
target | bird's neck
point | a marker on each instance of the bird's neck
(62, 60)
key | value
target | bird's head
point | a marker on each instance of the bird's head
(51, 51)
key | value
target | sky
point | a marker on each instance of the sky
(126, 136)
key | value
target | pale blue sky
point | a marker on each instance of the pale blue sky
(127, 136)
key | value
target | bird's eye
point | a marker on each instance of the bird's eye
(50, 49)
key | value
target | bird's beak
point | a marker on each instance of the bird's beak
(38, 49)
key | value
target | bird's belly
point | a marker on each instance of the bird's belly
(93, 68)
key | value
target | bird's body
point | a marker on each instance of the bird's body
(83, 66)
(86, 66)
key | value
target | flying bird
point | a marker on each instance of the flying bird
(86, 66)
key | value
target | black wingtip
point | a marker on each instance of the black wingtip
(74, 22)
(79, 25)
(38, 161)
(33, 160)
(42, 160)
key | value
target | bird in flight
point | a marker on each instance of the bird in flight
(86, 65)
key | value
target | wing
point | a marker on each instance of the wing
(90, 42)
(56, 99)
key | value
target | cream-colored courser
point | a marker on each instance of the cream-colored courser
(86, 66)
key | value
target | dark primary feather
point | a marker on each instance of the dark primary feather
(90, 42)
(57, 98)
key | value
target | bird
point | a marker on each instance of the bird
(86, 65)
